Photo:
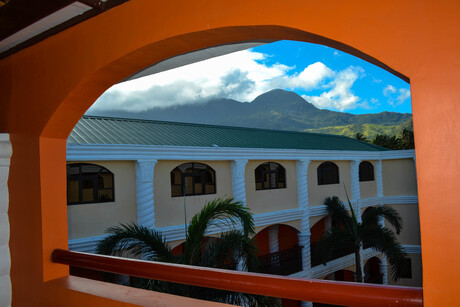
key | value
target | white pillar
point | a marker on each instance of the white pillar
(354, 174)
(304, 235)
(144, 192)
(378, 174)
(273, 243)
(384, 264)
(5, 258)
(238, 168)
(356, 200)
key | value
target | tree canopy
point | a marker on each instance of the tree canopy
(231, 247)
(347, 233)
(405, 140)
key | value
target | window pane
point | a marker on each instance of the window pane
(188, 185)
(87, 183)
(87, 195)
(270, 175)
(198, 179)
(272, 179)
(105, 195)
(73, 191)
(105, 180)
(328, 173)
(210, 189)
(366, 171)
(176, 190)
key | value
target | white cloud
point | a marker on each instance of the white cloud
(340, 97)
(241, 76)
(388, 90)
(396, 96)
(237, 76)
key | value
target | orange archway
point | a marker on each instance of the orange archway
(46, 88)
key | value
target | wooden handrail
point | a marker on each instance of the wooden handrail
(321, 291)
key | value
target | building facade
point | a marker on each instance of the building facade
(120, 170)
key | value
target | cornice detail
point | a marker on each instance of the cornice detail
(111, 152)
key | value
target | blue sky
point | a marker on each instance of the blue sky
(328, 78)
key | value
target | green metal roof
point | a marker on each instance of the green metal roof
(109, 130)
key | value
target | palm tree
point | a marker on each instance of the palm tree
(224, 252)
(348, 234)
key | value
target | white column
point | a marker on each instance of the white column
(273, 243)
(354, 174)
(304, 236)
(144, 192)
(5, 258)
(356, 200)
(384, 264)
(238, 168)
(378, 174)
(238, 180)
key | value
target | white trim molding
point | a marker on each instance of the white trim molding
(372, 201)
(5, 257)
(87, 245)
(341, 263)
(114, 152)
(412, 249)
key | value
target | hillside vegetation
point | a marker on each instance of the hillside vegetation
(369, 131)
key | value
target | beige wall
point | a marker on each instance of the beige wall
(86, 220)
(169, 210)
(399, 177)
(411, 232)
(416, 280)
(318, 193)
(369, 188)
(261, 201)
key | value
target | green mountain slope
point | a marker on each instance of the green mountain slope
(368, 130)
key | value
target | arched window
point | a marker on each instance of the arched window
(193, 178)
(366, 171)
(270, 175)
(328, 173)
(89, 183)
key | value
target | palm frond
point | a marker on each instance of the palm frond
(137, 240)
(385, 241)
(384, 211)
(332, 242)
(337, 210)
(225, 251)
(219, 210)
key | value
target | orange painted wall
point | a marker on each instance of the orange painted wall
(45, 89)
(318, 230)
(262, 242)
(287, 237)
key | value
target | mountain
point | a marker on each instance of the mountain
(276, 109)
(369, 131)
